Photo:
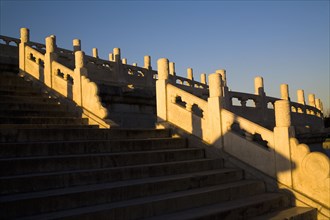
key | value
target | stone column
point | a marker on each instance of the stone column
(282, 134)
(79, 70)
(76, 45)
(25, 38)
(301, 97)
(172, 69)
(203, 78)
(95, 53)
(124, 61)
(214, 104)
(50, 56)
(147, 62)
(161, 90)
(311, 100)
(285, 92)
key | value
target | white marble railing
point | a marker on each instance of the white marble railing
(9, 41)
(275, 153)
(73, 84)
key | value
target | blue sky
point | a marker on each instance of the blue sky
(283, 41)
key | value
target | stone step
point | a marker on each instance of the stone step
(42, 120)
(6, 79)
(36, 135)
(25, 165)
(32, 106)
(59, 199)
(296, 213)
(244, 208)
(17, 92)
(40, 113)
(46, 126)
(53, 180)
(81, 147)
(221, 196)
(30, 99)
(20, 89)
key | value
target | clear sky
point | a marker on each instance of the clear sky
(283, 41)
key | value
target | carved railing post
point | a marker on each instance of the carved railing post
(311, 100)
(95, 53)
(259, 85)
(301, 96)
(226, 101)
(79, 70)
(285, 92)
(190, 75)
(50, 56)
(118, 66)
(215, 102)
(76, 45)
(203, 78)
(172, 69)
(25, 38)
(111, 57)
(149, 76)
(161, 89)
(282, 134)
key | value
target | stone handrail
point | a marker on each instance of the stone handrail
(8, 40)
(188, 82)
(73, 84)
(34, 62)
(138, 76)
(275, 153)
(187, 111)
(230, 119)
(261, 110)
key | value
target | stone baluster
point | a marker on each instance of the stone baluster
(189, 107)
(301, 96)
(25, 38)
(285, 92)
(95, 53)
(50, 56)
(76, 45)
(311, 100)
(283, 132)
(161, 89)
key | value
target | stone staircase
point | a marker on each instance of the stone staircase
(54, 165)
